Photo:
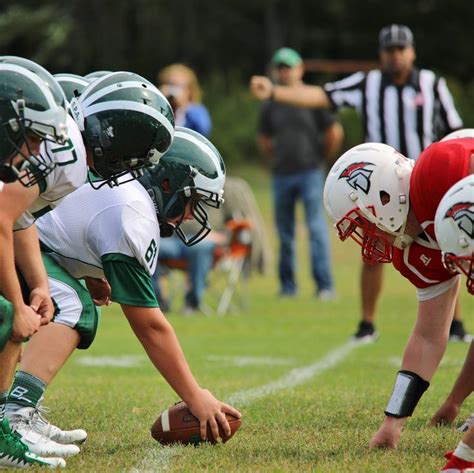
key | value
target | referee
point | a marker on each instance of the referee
(400, 105)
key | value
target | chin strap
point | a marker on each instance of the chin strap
(403, 241)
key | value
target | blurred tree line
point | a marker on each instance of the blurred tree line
(226, 41)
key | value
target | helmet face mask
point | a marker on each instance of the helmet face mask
(463, 265)
(366, 196)
(25, 164)
(28, 113)
(188, 177)
(195, 208)
(376, 247)
(454, 228)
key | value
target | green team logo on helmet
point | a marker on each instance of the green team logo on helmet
(126, 122)
(28, 110)
(191, 172)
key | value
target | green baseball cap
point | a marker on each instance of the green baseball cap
(287, 56)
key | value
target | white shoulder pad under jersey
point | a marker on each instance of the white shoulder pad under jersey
(92, 223)
(68, 175)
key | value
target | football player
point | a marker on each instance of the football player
(457, 245)
(375, 196)
(118, 238)
(454, 228)
(39, 164)
(33, 123)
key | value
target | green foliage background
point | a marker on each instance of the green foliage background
(227, 41)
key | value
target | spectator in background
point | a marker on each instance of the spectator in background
(399, 105)
(180, 86)
(297, 141)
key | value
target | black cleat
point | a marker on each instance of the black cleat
(366, 333)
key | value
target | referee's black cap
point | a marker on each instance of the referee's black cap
(395, 35)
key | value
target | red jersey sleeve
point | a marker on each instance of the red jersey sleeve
(421, 265)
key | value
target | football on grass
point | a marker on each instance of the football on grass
(178, 425)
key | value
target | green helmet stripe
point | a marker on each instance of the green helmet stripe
(200, 145)
(129, 105)
(87, 100)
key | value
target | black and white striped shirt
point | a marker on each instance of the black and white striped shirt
(408, 117)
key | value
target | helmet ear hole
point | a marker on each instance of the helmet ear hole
(384, 197)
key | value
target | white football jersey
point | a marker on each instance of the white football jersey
(68, 175)
(92, 223)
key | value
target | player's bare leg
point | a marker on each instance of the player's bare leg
(8, 360)
(53, 345)
(422, 356)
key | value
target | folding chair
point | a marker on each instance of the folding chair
(233, 259)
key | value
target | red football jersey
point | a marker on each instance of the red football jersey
(439, 167)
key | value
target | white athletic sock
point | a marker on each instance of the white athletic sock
(3, 400)
(464, 452)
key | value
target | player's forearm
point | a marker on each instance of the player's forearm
(429, 339)
(464, 384)
(307, 96)
(9, 285)
(162, 346)
(423, 355)
(28, 258)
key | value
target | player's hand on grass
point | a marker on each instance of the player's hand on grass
(445, 414)
(210, 410)
(261, 87)
(388, 434)
(41, 303)
(26, 322)
(100, 290)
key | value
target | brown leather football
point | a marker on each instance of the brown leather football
(178, 425)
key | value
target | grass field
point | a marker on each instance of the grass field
(310, 401)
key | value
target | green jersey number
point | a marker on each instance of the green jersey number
(68, 146)
(151, 252)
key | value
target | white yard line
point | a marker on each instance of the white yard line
(126, 361)
(294, 378)
(159, 459)
(240, 361)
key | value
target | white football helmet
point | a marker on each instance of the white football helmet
(454, 228)
(463, 133)
(366, 195)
